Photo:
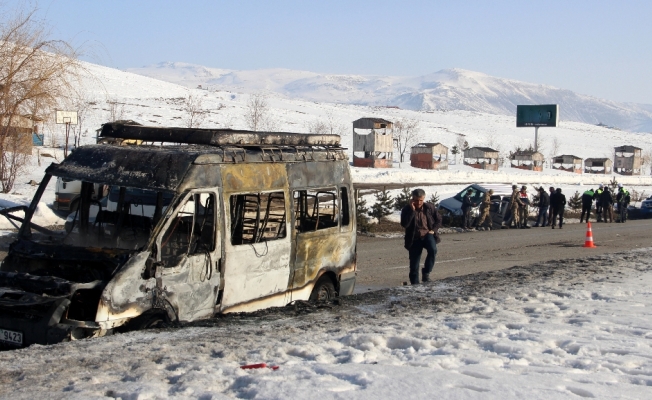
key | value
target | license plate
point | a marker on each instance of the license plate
(11, 336)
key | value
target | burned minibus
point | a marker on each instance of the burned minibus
(191, 223)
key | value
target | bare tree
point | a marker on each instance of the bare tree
(83, 106)
(460, 144)
(36, 73)
(194, 109)
(646, 161)
(257, 114)
(116, 109)
(405, 134)
(325, 126)
(554, 147)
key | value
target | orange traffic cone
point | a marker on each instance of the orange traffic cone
(589, 236)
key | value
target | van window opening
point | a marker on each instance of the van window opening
(344, 210)
(315, 209)
(115, 216)
(257, 217)
(191, 230)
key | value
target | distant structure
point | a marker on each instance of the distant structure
(20, 132)
(429, 156)
(627, 160)
(528, 160)
(598, 166)
(372, 143)
(568, 163)
(481, 158)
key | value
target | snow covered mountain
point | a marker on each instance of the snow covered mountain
(450, 89)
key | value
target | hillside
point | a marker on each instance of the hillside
(451, 89)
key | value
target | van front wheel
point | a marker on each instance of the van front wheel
(324, 290)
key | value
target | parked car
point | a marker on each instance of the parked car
(451, 208)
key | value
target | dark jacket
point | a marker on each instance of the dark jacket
(466, 202)
(557, 201)
(623, 197)
(605, 198)
(544, 199)
(408, 222)
(587, 198)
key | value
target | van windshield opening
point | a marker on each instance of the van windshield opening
(115, 216)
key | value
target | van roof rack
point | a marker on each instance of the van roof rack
(216, 137)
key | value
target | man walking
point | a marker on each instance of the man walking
(557, 204)
(421, 222)
(485, 207)
(587, 202)
(607, 205)
(623, 200)
(544, 204)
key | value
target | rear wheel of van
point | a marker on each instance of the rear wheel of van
(324, 290)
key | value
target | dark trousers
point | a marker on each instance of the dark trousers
(598, 212)
(555, 213)
(427, 242)
(467, 218)
(550, 213)
(622, 210)
(542, 218)
(586, 210)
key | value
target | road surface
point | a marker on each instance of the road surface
(384, 262)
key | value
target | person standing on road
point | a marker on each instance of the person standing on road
(524, 210)
(587, 202)
(607, 205)
(544, 204)
(421, 222)
(485, 206)
(467, 206)
(557, 204)
(623, 200)
(514, 203)
(598, 203)
(552, 191)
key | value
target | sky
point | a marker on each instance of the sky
(599, 48)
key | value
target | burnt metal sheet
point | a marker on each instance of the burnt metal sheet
(139, 167)
(316, 174)
(215, 137)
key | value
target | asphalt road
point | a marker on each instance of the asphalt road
(384, 262)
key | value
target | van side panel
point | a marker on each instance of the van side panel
(256, 275)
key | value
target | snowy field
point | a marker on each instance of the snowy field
(578, 328)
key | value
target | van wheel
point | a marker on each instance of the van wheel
(74, 206)
(324, 290)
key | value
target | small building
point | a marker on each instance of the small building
(429, 156)
(481, 158)
(598, 166)
(18, 133)
(627, 160)
(373, 143)
(569, 163)
(528, 160)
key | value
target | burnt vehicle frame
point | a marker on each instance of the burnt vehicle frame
(232, 221)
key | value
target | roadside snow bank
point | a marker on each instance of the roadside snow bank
(578, 327)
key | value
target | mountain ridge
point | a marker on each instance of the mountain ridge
(448, 89)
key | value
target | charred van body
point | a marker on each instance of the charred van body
(191, 223)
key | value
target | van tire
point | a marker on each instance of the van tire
(149, 320)
(74, 205)
(324, 290)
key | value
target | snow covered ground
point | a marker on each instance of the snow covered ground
(578, 328)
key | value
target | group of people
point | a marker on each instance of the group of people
(604, 203)
(422, 221)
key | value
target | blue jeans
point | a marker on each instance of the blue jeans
(542, 218)
(427, 242)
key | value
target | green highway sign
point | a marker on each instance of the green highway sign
(537, 115)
